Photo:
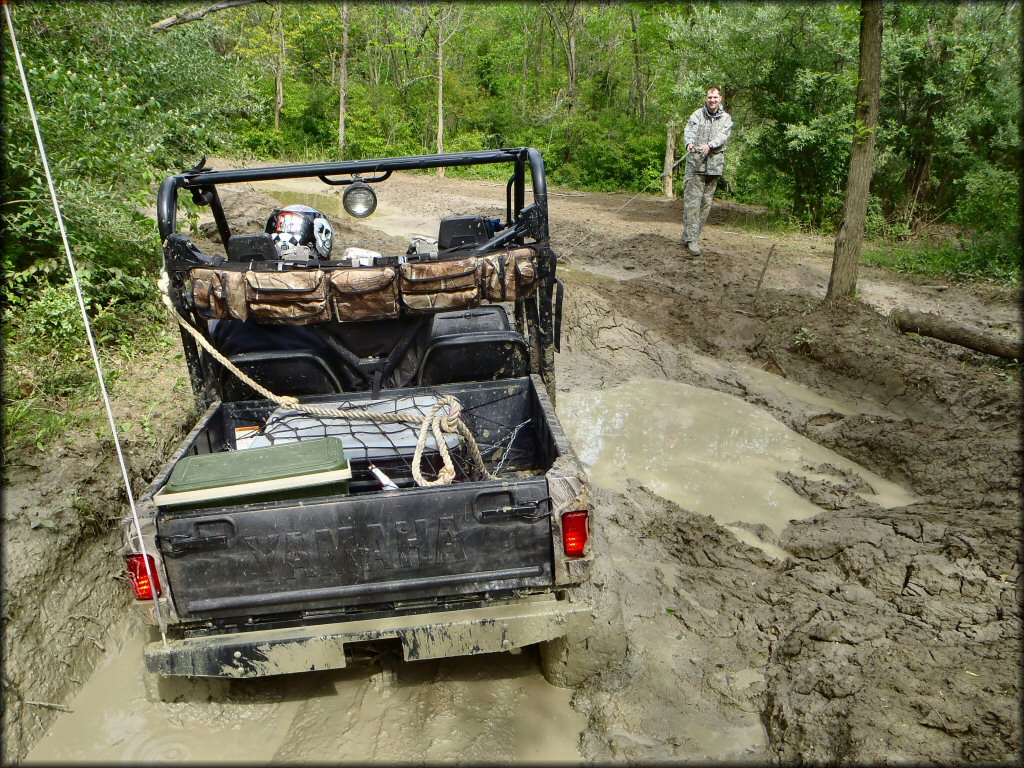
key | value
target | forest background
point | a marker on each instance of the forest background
(595, 86)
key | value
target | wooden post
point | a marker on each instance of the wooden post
(670, 153)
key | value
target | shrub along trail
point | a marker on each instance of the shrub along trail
(887, 633)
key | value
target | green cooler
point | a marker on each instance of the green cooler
(304, 469)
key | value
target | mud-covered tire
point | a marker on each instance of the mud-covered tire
(165, 689)
(571, 660)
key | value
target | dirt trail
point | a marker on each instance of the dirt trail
(880, 633)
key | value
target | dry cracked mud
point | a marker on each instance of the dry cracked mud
(859, 632)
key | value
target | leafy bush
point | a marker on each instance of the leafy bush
(118, 107)
(988, 199)
(261, 141)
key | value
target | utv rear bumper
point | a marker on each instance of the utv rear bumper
(423, 636)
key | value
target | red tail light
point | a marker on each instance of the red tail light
(574, 533)
(139, 578)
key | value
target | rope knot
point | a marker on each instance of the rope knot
(449, 422)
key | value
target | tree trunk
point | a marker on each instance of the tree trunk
(918, 178)
(572, 20)
(343, 80)
(573, 69)
(936, 327)
(633, 100)
(843, 280)
(670, 153)
(279, 70)
(440, 94)
(803, 181)
(524, 77)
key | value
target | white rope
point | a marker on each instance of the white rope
(85, 319)
(590, 234)
(443, 417)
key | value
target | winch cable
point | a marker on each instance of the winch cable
(444, 416)
(591, 233)
(85, 318)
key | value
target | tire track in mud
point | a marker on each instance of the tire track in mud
(874, 640)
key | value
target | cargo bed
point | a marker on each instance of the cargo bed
(322, 557)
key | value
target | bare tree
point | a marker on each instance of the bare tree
(448, 20)
(440, 91)
(638, 82)
(567, 18)
(842, 282)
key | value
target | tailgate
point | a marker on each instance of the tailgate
(285, 557)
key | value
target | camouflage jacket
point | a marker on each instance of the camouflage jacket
(705, 128)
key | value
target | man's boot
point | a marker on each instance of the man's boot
(693, 248)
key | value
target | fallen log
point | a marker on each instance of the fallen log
(936, 327)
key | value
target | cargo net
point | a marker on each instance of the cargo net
(381, 453)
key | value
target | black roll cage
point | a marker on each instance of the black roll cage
(202, 182)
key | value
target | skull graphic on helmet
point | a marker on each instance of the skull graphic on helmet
(300, 232)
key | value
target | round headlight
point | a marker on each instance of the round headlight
(359, 200)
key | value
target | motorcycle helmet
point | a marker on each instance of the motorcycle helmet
(300, 232)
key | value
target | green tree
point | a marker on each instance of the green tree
(117, 106)
(842, 282)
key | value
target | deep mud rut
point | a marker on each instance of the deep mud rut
(871, 615)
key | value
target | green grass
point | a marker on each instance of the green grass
(49, 383)
(988, 257)
(993, 257)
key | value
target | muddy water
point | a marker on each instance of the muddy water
(709, 452)
(494, 707)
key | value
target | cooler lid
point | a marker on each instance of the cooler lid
(364, 439)
(257, 470)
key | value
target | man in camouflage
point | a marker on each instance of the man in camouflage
(706, 135)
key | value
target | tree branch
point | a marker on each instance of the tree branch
(185, 18)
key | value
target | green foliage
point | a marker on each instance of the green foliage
(119, 107)
(950, 104)
(988, 198)
(877, 225)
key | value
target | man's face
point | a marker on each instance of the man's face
(714, 99)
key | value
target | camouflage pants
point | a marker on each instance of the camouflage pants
(698, 191)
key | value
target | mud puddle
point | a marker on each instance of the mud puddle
(709, 452)
(384, 219)
(477, 709)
